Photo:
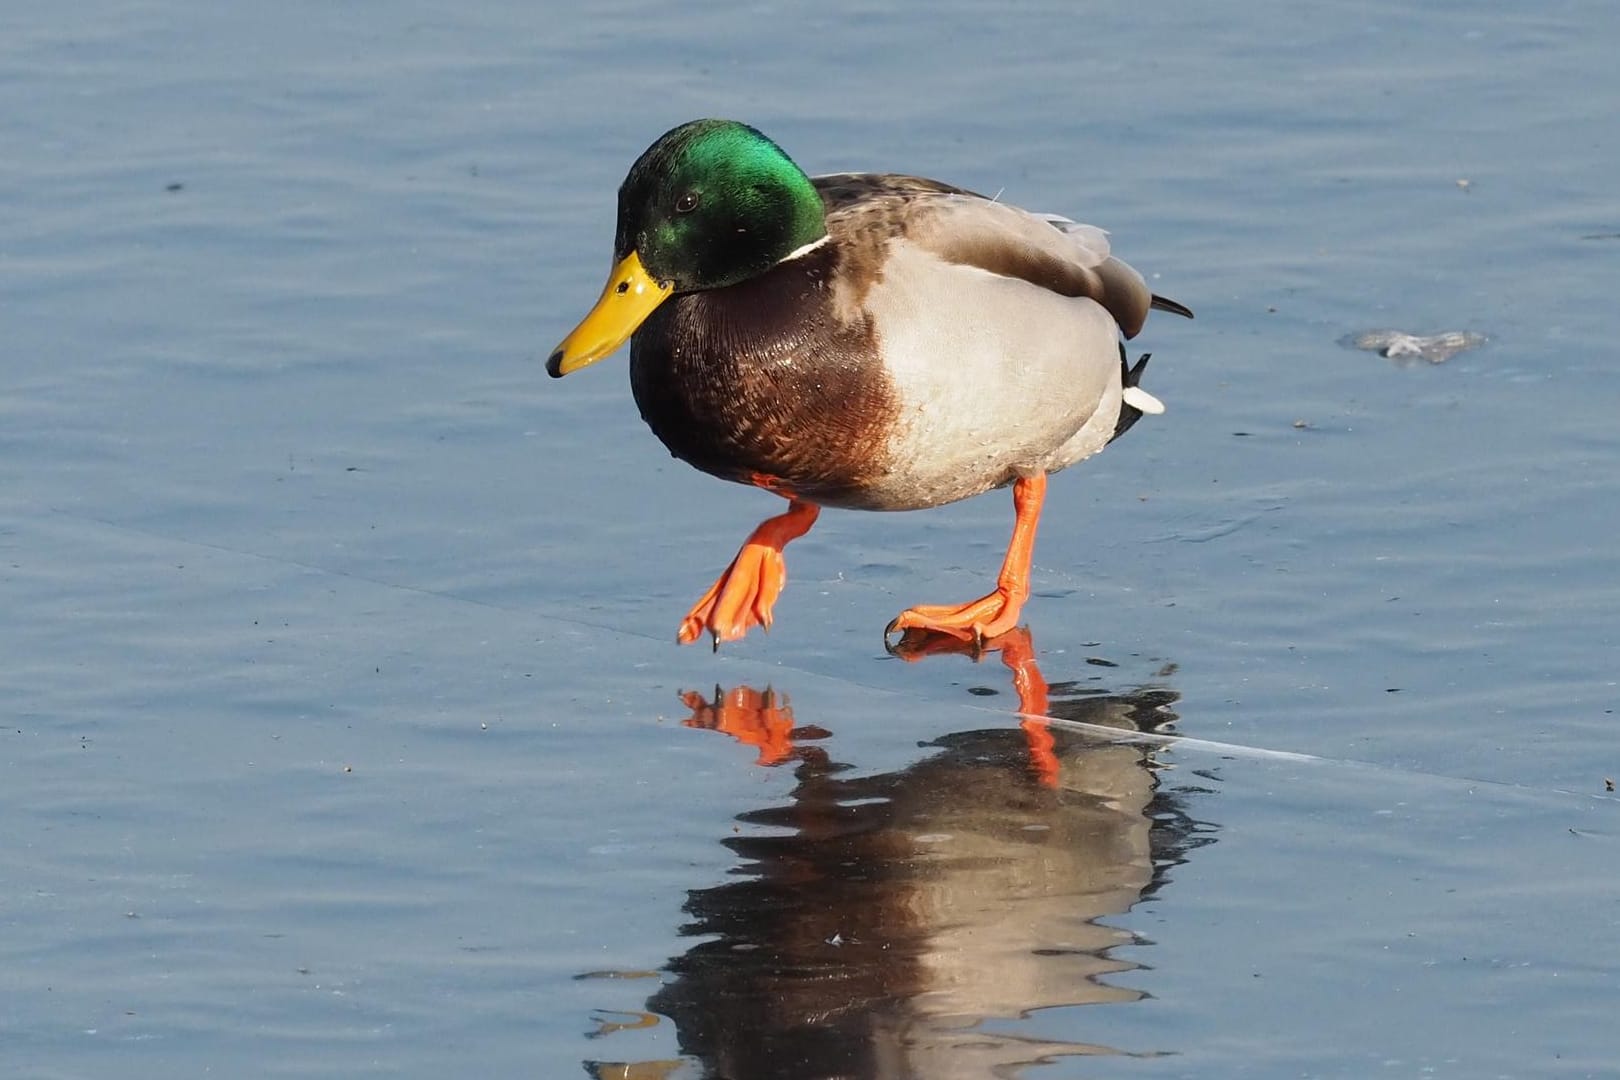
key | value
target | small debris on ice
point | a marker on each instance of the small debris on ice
(1403, 347)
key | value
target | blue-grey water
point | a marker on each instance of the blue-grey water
(343, 730)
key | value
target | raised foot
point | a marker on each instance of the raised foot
(979, 621)
(743, 596)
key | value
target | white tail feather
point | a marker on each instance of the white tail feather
(1139, 399)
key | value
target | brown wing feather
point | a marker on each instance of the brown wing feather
(1008, 241)
(866, 210)
(839, 191)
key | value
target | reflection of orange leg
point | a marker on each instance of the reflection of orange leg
(1017, 650)
(744, 594)
(1043, 760)
(1018, 653)
(750, 717)
(995, 614)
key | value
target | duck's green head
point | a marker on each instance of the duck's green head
(710, 204)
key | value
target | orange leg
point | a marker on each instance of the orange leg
(995, 614)
(744, 594)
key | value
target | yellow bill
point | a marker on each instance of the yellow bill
(628, 298)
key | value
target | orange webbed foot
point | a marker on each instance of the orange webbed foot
(985, 618)
(744, 595)
(997, 613)
(741, 598)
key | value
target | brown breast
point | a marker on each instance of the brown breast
(765, 383)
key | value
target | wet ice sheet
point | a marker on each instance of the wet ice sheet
(344, 728)
(404, 848)
(1378, 923)
(351, 825)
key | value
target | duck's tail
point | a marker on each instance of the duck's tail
(1134, 400)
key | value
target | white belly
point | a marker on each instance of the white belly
(1008, 379)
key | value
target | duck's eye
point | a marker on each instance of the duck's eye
(686, 203)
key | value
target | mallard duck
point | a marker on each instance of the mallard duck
(867, 341)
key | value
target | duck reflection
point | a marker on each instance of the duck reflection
(880, 921)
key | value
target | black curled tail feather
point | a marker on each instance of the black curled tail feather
(1128, 376)
(1164, 303)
